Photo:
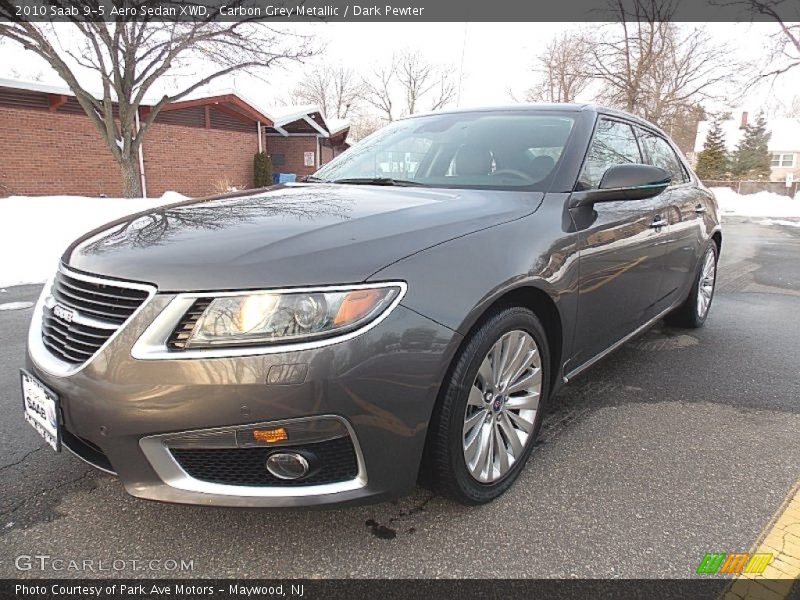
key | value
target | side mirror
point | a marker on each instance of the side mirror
(624, 182)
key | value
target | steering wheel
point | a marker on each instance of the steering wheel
(520, 174)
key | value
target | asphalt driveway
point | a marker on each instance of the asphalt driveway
(681, 443)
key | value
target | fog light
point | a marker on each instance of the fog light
(270, 435)
(287, 465)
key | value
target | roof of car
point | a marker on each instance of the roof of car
(543, 106)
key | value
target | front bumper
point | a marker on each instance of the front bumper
(382, 384)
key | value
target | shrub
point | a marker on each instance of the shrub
(224, 185)
(262, 170)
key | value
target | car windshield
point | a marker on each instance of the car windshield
(494, 150)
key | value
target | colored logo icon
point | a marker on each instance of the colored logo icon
(737, 562)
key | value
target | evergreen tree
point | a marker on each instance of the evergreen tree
(262, 170)
(751, 158)
(712, 161)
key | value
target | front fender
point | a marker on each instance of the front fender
(456, 282)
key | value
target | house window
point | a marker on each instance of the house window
(782, 159)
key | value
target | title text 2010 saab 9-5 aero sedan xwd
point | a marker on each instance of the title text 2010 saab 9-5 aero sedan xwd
(404, 313)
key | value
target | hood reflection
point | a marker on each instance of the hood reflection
(161, 224)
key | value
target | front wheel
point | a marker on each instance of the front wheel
(490, 411)
(694, 311)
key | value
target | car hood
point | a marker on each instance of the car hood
(314, 234)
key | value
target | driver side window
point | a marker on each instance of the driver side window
(614, 143)
(661, 154)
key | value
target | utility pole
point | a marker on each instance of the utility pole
(461, 65)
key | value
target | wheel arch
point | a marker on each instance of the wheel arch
(542, 304)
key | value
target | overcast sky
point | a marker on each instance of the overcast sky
(496, 57)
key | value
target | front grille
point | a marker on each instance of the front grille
(179, 337)
(99, 309)
(246, 466)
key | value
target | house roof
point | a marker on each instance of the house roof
(287, 114)
(337, 125)
(229, 103)
(59, 89)
(35, 86)
(785, 134)
(310, 117)
(277, 115)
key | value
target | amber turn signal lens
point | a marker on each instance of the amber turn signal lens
(355, 305)
(270, 435)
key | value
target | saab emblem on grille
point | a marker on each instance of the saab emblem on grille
(64, 313)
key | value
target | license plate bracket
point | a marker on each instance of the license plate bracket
(41, 409)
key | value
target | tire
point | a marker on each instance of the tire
(446, 466)
(692, 314)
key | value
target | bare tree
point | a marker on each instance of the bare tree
(334, 88)
(444, 92)
(129, 59)
(681, 125)
(363, 125)
(785, 54)
(379, 88)
(564, 69)
(793, 108)
(27, 75)
(421, 80)
(653, 67)
(423, 85)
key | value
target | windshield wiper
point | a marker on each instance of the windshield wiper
(312, 179)
(378, 181)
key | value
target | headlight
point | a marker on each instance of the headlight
(273, 318)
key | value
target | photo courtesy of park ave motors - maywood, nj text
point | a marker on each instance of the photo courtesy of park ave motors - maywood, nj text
(328, 299)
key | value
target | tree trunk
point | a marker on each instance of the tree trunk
(129, 167)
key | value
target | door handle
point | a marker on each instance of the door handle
(658, 223)
(699, 209)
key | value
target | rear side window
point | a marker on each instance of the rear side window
(614, 143)
(661, 154)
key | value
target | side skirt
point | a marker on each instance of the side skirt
(597, 358)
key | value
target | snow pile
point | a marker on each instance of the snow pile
(15, 305)
(35, 230)
(761, 204)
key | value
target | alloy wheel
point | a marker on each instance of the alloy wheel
(705, 287)
(502, 405)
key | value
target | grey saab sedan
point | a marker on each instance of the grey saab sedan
(403, 315)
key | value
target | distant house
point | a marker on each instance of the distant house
(195, 145)
(301, 139)
(784, 144)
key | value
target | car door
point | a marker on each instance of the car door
(684, 205)
(621, 249)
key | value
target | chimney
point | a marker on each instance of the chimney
(744, 121)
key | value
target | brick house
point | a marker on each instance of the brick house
(196, 146)
(300, 140)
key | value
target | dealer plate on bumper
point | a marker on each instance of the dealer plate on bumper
(41, 409)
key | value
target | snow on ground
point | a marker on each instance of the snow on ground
(779, 222)
(35, 230)
(15, 305)
(761, 204)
